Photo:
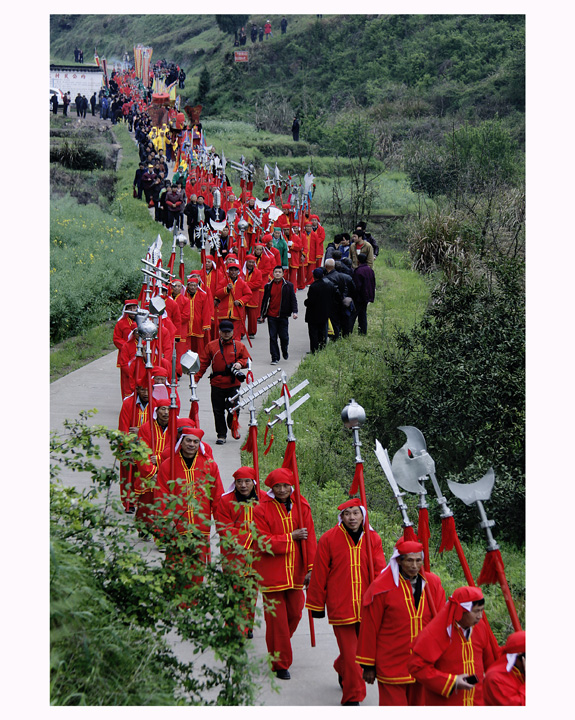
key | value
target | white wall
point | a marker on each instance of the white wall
(76, 80)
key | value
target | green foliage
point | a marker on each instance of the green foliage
(76, 155)
(230, 23)
(115, 601)
(203, 86)
(460, 377)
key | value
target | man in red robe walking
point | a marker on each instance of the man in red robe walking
(504, 682)
(451, 654)
(281, 566)
(339, 579)
(397, 605)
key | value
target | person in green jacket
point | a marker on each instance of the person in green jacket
(279, 242)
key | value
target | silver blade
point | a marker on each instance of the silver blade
(415, 440)
(472, 492)
(407, 471)
(383, 458)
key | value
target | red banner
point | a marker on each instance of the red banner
(241, 56)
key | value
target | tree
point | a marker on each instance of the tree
(230, 23)
(204, 85)
(114, 601)
(355, 189)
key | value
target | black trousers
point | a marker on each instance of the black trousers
(221, 406)
(278, 327)
(317, 336)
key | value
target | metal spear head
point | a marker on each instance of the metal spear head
(275, 213)
(190, 362)
(242, 225)
(157, 305)
(415, 440)
(231, 216)
(181, 240)
(353, 415)
(473, 492)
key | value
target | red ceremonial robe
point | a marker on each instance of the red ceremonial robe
(282, 571)
(436, 661)
(391, 622)
(501, 687)
(339, 579)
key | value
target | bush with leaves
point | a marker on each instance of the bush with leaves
(115, 600)
(460, 375)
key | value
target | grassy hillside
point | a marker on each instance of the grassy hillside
(406, 66)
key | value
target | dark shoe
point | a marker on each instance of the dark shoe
(283, 674)
(131, 509)
(340, 681)
(286, 356)
(220, 441)
(274, 362)
(250, 634)
(351, 702)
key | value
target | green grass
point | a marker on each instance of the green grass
(75, 352)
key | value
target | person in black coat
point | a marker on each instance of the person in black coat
(278, 303)
(322, 297)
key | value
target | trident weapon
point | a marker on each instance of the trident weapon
(242, 227)
(493, 569)
(383, 457)
(290, 460)
(353, 416)
(449, 539)
(190, 362)
(247, 396)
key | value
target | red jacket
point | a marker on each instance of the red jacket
(201, 482)
(195, 313)
(282, 567)
(122, 329)
(125, 420)
(340, 574)
(234, 518)
(256, 283)
(436, 661)
(213, 356)
(391, 622)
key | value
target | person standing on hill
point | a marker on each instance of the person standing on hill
(295, 129)
(283, 25)
(93, 104)
(268, 29)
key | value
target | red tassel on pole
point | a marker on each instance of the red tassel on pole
(409, 534)
(492, 572)
(194, 414)
(423, 535)
(448, 534)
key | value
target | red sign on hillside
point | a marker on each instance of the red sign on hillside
(241, 56)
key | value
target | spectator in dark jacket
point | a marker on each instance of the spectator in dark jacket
(322, 297)
(278, 303)
(364, 281)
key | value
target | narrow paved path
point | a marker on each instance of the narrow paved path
(97, 385)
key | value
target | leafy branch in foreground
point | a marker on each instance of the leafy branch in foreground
(115, 598)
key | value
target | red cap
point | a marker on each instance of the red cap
(408, 546)
(245, 472)
(281, 475)
(354, 502)
(187, 430)
(515, 643)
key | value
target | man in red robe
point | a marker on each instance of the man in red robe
(339, 580)
(234, 516)
(320, 238)
(133, 414)
(396, 606)
(231, 298)
(256, 282)
(187, 501)
(451, 654)
(196, 315)
(504, 682)
(281, 567)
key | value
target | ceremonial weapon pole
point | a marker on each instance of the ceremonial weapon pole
(353, 416)
(190, 362)
(290, 461)
(493, 570)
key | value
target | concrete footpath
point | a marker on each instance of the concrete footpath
(97, 385)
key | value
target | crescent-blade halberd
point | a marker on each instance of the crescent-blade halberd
(476, 493)
(417, 446)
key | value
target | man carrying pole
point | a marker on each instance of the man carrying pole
(285, 524)
(339, 579)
